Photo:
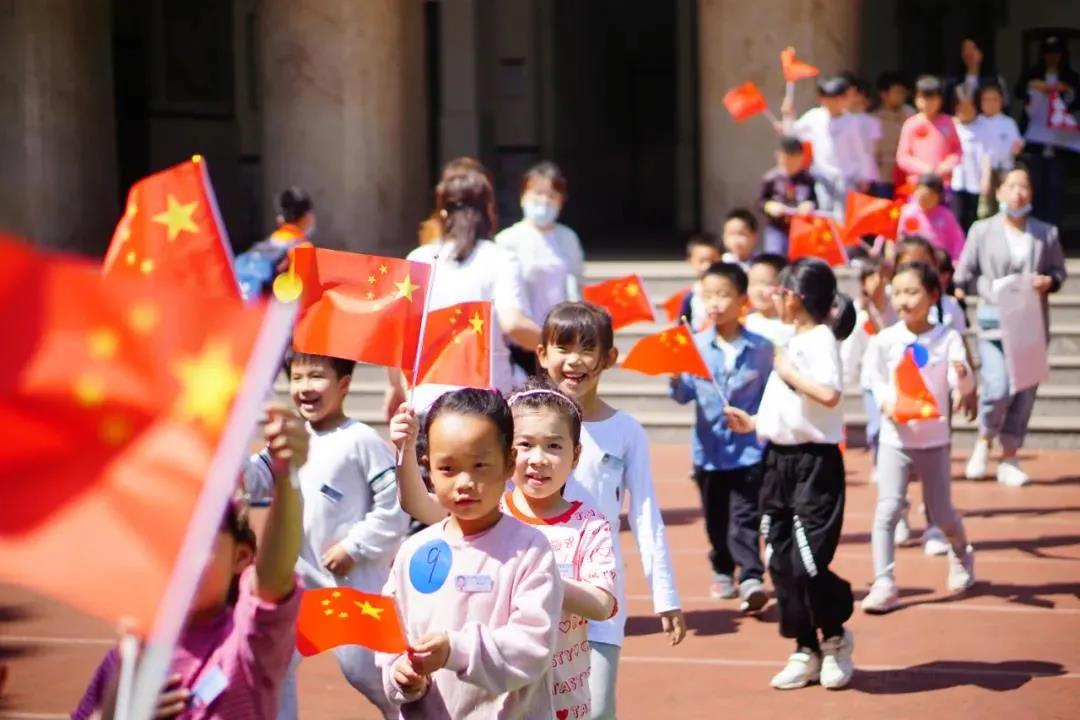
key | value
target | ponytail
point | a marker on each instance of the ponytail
(841, 318)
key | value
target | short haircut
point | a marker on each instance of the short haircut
(928, 85)
(914, 242)
(791, 145)
(578, 323)
(866, 266)
(861, 86)
(702, 239)
(888, 80)
(933, 181)
(545, 170)
(832, 86)
(774, 260)
(747, 217)
(341, 366)
(293, 204)
(732, 272)
(476, 402)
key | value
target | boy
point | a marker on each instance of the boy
(785, 189)
(893, 112)
(763, 320)
(701, 252)
(727, 465)
(353, 523)
(869, 131)
(740, 237)
(928, 140)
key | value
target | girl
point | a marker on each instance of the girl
(479, 591)
(971, 178)
(928, 142)
(578, 345)
(549, 253)
(1000, 136)
(927, 216)
(803, 489)
(922, 444)
(239, 636)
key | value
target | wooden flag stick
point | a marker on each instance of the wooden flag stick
(686, 323)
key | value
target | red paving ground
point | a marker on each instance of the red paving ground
(1009, 649)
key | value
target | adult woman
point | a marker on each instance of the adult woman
(975, 71)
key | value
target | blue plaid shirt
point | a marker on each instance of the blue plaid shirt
(715, 446)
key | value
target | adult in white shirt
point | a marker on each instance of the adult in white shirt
(470, 268)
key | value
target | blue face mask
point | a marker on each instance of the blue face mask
(540, 213)
(1015, 213)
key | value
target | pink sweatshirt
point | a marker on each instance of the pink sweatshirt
(925, 144)
(499, 597)
(939, 226)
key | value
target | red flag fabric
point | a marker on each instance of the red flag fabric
(115, 396)
(171, 230)
(667, 353)
(330, 617)
(903, 191)
(457, 346)
(624, 298)
(358, 307)
(914, 400)
(674, 304)
(815, 236)
(795, 69)
(869, 215)
(1058, 116)
(745, 101)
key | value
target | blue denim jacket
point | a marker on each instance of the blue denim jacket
(715, 446)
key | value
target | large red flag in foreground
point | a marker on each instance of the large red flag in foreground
(330, 617)
(624, 298)
(126, 408)
(457, 346)
(815, 236)
(869, 215)
(667, 353)
(795, 69)
(172, 230)
(914, 400)
(745, 101)
(359, 307)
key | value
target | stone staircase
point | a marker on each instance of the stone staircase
(1054, 424)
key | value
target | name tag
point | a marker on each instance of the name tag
(212, 683)
(332, 494)
(474, 583)
(566, 570)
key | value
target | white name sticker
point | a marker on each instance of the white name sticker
(474, 583)
(212, 683)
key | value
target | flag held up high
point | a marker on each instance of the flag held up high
(815, 236)
(457, 346)
(624, 298)
(745, 101)
(795, 69)
(869, 215)
(669, 352)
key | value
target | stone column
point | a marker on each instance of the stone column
(58, 137)
(740, 42)
(344, 117)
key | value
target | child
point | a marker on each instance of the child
(892, 113)
(701, 252)
(785, 190)
(353, 523)
(858, 97)
(257, 267)
(1008, 243)
(971, 178)
(764, 279)
(548, 252)
(922, 445)
(578, 345)
(740, 237)
(239, 634)
(727, 465)
(547, 431)
(927, 216)
(1001, 138)
(803, 489)
(928, 141)
(479, 591)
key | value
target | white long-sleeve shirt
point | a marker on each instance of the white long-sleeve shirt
(552, 265)
(349, 490)
(614, 463)
(944, 346)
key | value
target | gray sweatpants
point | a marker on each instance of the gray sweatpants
(893, 470)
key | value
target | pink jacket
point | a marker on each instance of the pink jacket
(939, 226)
(925, 144)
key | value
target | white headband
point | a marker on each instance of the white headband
(544, 391)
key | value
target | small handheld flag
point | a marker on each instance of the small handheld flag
(745, 101)
(330, 617)
(624, 298)
(914, 402)
(669, 352)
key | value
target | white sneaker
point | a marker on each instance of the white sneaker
(837, 666)
(882, 598)
(753, 595)
(722, 588)
(803, 668)
(1010, 474)
(902, 533)
(976, 464)
(934, 542)
(961, 570)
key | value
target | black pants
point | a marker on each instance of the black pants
(731, 501)
(965, 207)
(802, 499)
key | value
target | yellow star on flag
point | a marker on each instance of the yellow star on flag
(894, 214)
(208, 383)
(178, 218)
(383, 269)
(89, 391)
(103, 342)
(371, 279)
(680, 339)
(631, 290)
(406, 287)
(477, 323)
(367, 608)
(143, 317)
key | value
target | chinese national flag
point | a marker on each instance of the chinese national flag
(358, 307)
(869, 215)
(815, 236)
(126, 408)
(795, 69)
(913, 399)
(745, 101)
(667, 353)
(624, 298)
(172, 230)
(457, 346)
(903, 191)
(674, 303)
(330, 617)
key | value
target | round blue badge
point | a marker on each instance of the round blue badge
(430, 566)
(919, 354)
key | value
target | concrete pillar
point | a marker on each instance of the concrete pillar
(344, 117)
(58, 136)
(741, 42)
(459, 112)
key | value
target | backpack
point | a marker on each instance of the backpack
(257, 267)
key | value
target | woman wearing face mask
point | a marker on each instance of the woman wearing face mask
(1009, 243)
(549, 253)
